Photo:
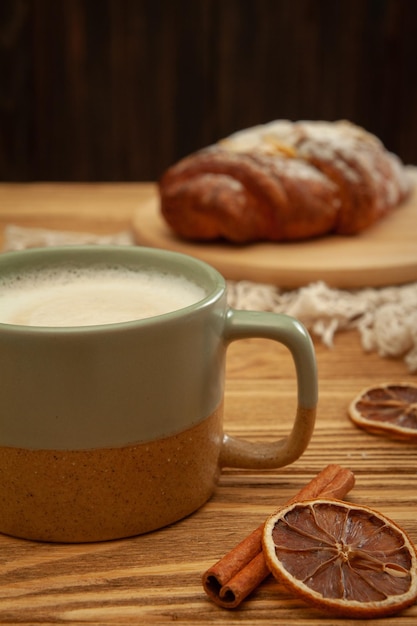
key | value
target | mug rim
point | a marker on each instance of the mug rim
(72, 254)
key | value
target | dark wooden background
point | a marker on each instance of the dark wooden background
(95, 90)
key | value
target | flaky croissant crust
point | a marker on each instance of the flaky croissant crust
(283, 181)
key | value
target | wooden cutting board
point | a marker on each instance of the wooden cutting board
(385, 254)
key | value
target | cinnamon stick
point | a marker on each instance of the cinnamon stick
(239, 572)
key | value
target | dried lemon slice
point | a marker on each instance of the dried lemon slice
(344, 558)
(389, 409)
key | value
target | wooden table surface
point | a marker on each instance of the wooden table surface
(156, 578)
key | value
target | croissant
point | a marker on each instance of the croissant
(283, 181)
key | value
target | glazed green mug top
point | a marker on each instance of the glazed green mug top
(97, 409)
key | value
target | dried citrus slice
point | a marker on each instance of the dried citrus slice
(344, 558)
(389, 409)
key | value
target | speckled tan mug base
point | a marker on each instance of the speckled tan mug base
(109, 493)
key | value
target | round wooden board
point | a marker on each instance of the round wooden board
(385, 254)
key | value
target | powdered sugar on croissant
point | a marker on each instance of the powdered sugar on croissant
(283, 181)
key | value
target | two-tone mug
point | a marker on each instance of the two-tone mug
(112, 364)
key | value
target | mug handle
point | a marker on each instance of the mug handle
(284, 329)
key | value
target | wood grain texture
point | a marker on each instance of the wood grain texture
(120, 89)
(156, 578)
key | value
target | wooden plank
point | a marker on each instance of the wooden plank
(119, 90)
(97, 208)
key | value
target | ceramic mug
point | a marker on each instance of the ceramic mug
(115, 429)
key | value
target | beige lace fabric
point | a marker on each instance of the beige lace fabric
(385, 317)
(20, 237)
